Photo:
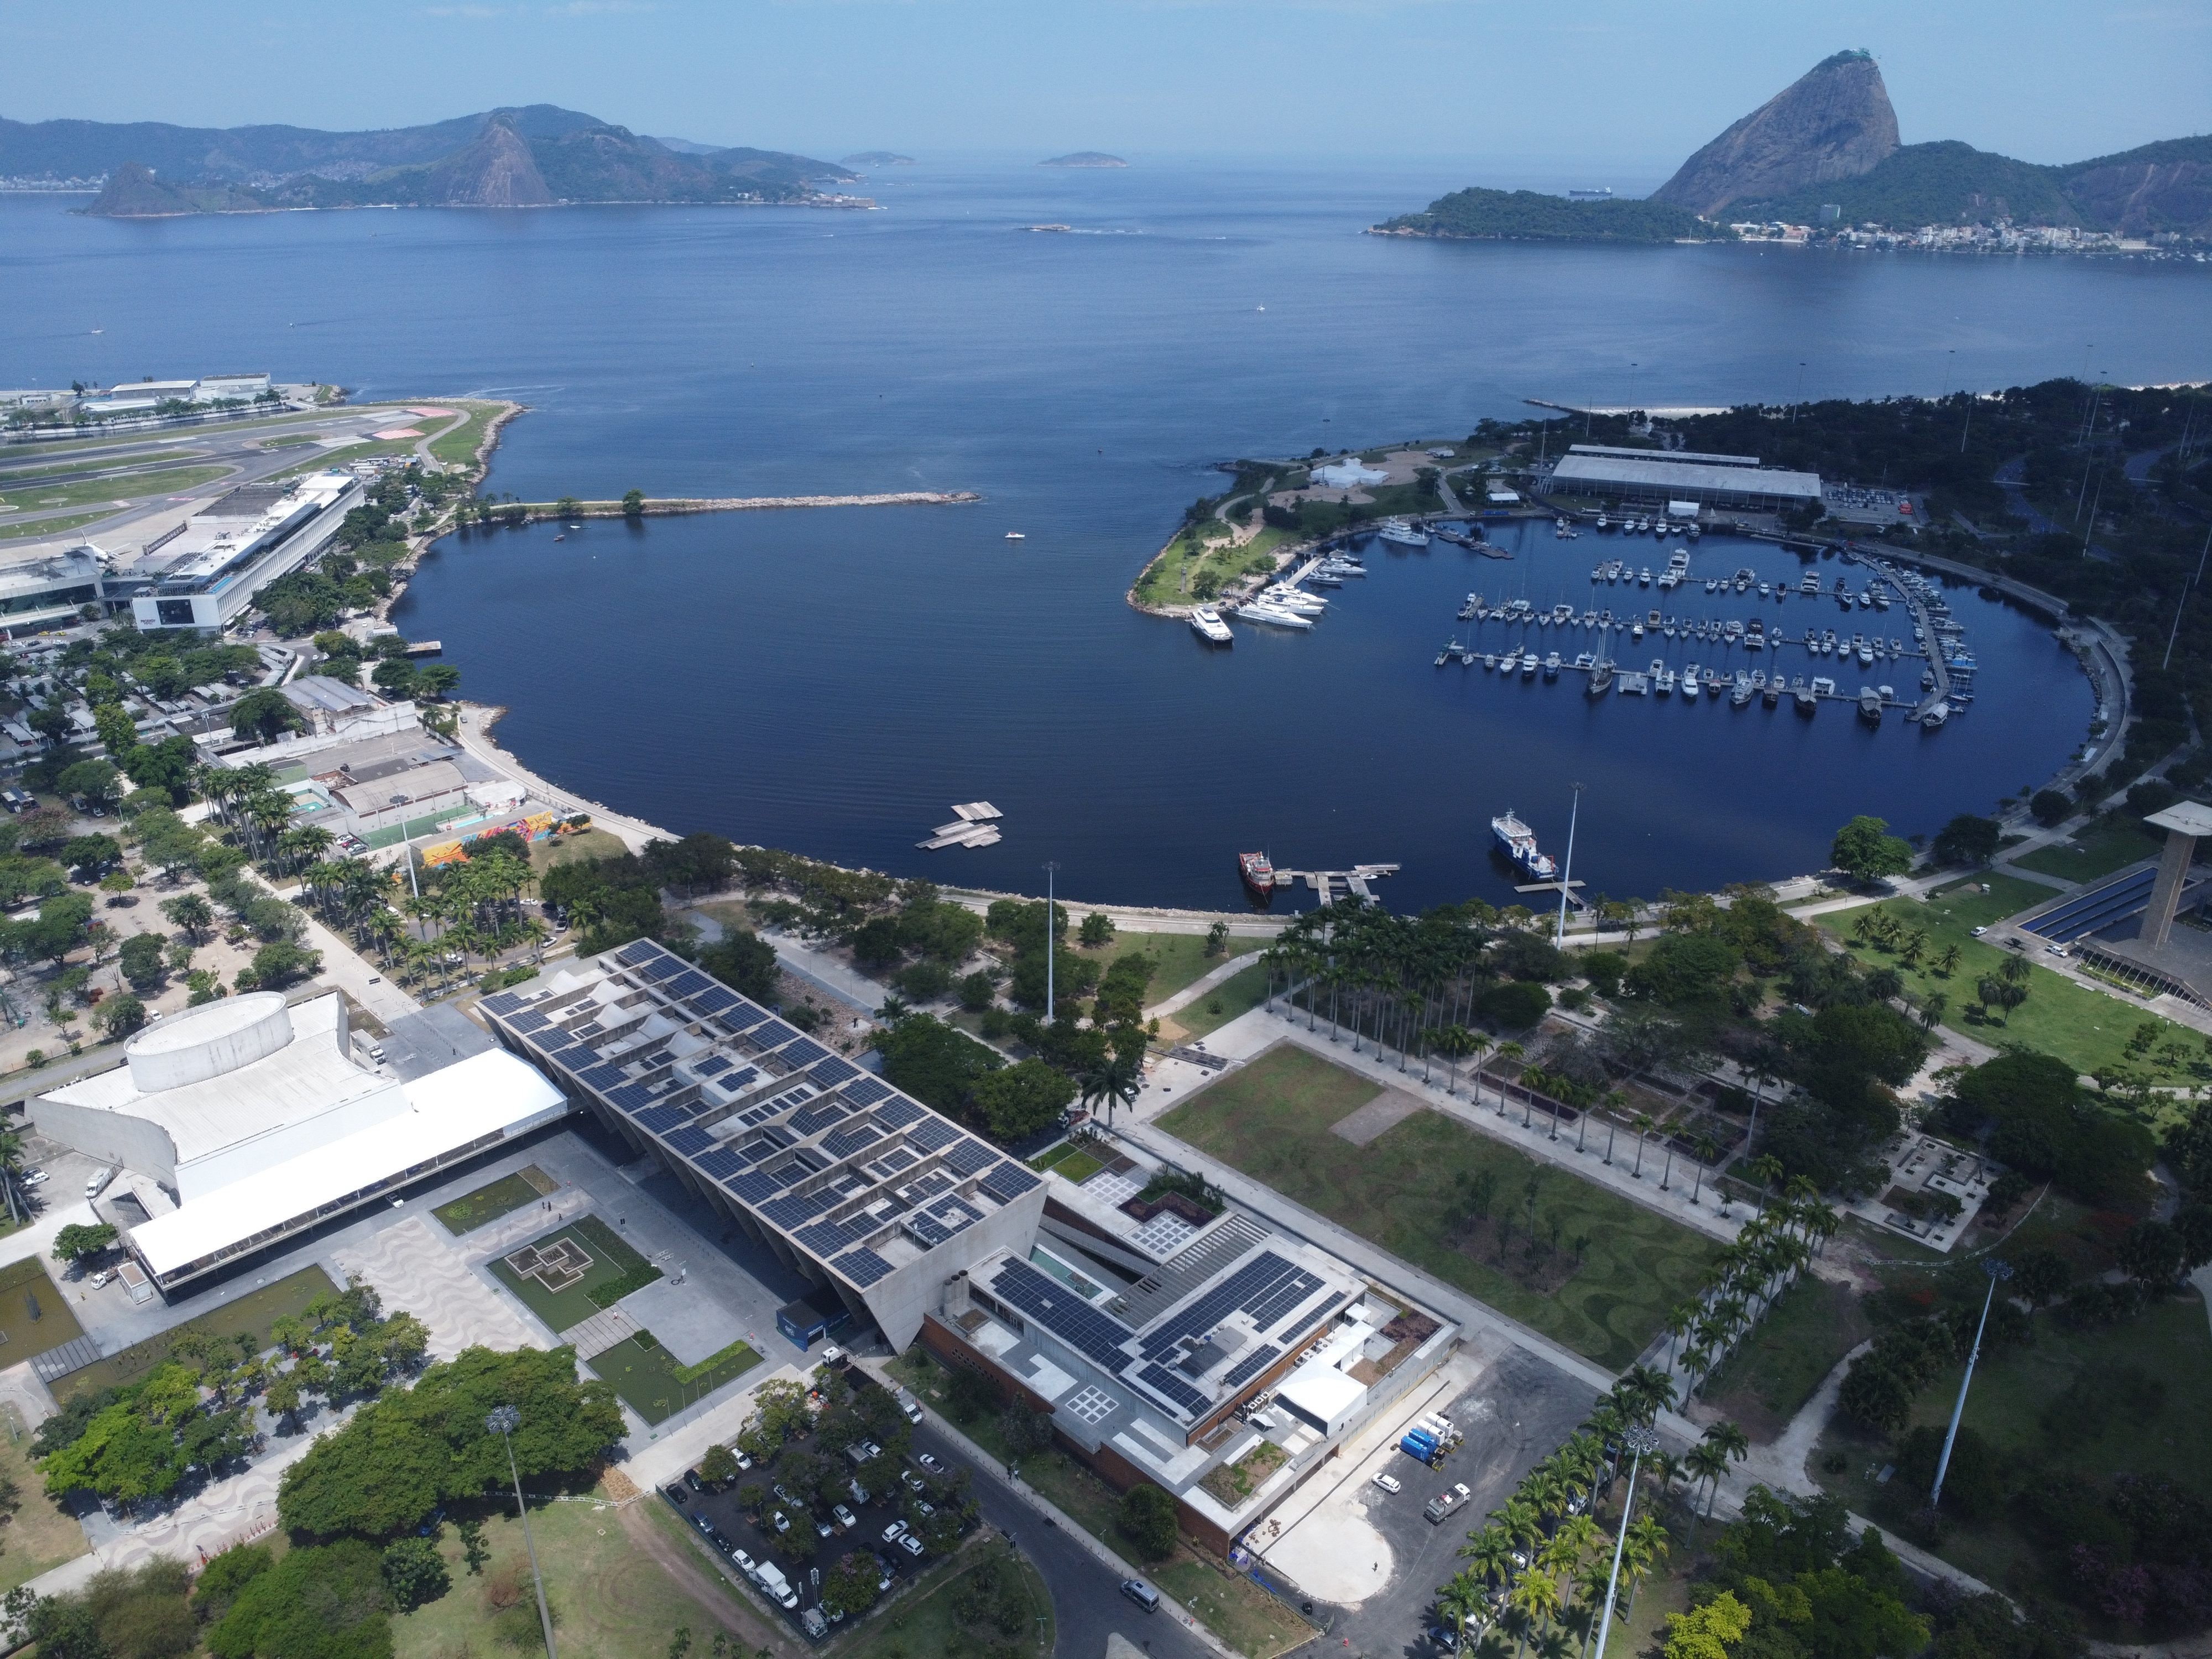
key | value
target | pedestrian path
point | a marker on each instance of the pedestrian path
(1198, 987)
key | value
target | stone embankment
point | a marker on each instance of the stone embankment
(655, 507)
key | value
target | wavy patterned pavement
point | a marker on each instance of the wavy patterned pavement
(412, 1268)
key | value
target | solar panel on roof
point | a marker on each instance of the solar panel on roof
(690, 1140)
(603, 1077)
(896, 1159)
(864, 1268)
(637, 953)
(968, 1156)
(849, 1139)
(816, 1118)
(1251, 1365)
(867, 1091)
(1166, 1383)
(934, 1135)
(1251, 1281)
(826, 1237)
(1308, 1320)
(756, 1187)
(712, 1064)
(1007, 1182)
(741, 1015)
(790, 1211)
(663, 1119)
(775, 1032)
(1268, 1308)
(1062, 1312)
(663, 967)
(804, 1052)
(632, 1097)
(687, 984)
(833, 1071)
(719, 1164)
(714, 1000)
(504, 1002)
(897, 1112)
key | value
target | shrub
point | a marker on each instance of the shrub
(977, 992)
(1515, 1005)
(327, 1602)
(415, 1572)
(1148, 1521)
(1973, 1483)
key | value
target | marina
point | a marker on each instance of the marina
(1262, 880)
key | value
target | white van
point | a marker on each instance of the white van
(97, 1182)
(772, 1581)
(1142, 1593)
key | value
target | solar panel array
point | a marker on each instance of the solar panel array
(773, 1034)
(933, 1136)
(941, 1220)
(864, 1268)
(529, 1020)
(690, 1140)
(1007, 1182)
(867, 1091)
(804, 1052)
(853, 1137)
(1251, 1365)
(503, 1002)
(1312, 1317)
(1062, 1312)
(1284, 1297)
(719, 1164)
(1165, 1383)
(833, 1071)
(1249, 1284)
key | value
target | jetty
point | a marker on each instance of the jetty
(666, 506)
(973, 825)
(1334, 886)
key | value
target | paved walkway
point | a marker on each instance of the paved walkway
(1198, 987)
(412, 1266)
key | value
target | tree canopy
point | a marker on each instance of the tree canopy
(1864, 850)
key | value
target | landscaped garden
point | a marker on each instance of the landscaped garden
(655, 1385)
(1591, 1270)
(35, 1316)
(2098, 851)
(1776, 1368)
(573, 1272)
(501, 1197)
(251, 1315)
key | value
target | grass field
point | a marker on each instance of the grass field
(502, 1197)
(2097, 850)
(612, 1599)
(86, 492)
(1177, 958)
(35, 1315)
(612, 1263)
(652, 1383)
(252, 1314)
(568, 849)
(924, 1626)
(1402, 1191)
(38, 1536)
(2131, 1398)
(31, 478)
(2086, 1029)
(1238, 1612)
(1170, 578)
(1764, 1382)
(459, 446)
(55, 526)
(1239, 994)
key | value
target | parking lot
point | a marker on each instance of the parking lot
(887, 1522)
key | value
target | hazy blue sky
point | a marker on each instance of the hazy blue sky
(1628, 85)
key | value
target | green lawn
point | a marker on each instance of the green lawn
(35, 1315)
(56, 526)
(615, 1270)
(250, 1314)
(1239, 994)
(568, 849)
(1764, 1382)
(610, 1599)
(1168, 579)
(1271, 1120)
(1071, 1160)
(502, 1197)
(2086, 1029)
(85, 491)
(920, 1627)
(31, 478)
(1234, 1608)
(2131, 1398)
(2097, 850)
(40, 1534)
(654, 1385)
(460, 444)
(1177, 958)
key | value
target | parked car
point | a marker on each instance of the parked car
(691, 1479)
(845, 1516)
(910, 1480)
(784, 1493)
(1142, 1593)
(911, 1545)
(35, 1177)
(782, 1521)
(1389, 1484)
(930, 1463)
(894, 1532)
(101, 1278)
(676, 1495)
(823, 1528)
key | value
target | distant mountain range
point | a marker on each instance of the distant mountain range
(1083, 158)
(536, 155)
(1830, 138)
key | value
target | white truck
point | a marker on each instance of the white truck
(778, 1587)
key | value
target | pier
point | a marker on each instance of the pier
(1334, 886)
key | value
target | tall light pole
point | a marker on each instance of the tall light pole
(502, 1422)
(1051, 940)
(1638, 1440)
(1999, 1270)
(2187, 587)
(1567, 875)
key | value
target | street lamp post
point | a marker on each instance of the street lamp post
(1998, 1270)
(1638, 1440)
(502, 1422)
(1567, 875)
(1051, 942)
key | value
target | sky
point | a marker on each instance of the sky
(1627, 86)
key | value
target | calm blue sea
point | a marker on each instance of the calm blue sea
(832, 681)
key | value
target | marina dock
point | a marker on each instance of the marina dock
(1333, 887)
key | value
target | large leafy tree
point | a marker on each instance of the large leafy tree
(401, 1456)
(1866, 851)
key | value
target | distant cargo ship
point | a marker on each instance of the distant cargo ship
(1518, 842)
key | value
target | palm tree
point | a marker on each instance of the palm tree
(1649, 1392)
(1768, 1169)
(1537, 1597)
(1707, 1462)
(1707, 1151)
(1644, 1126)
(1490, 1552)
(1454, 1043)
(1679, 1322)
(1506, 1051)
(1460, 1601)
(1932, 1009)
(1947, 963)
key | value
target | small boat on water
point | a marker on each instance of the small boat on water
(1869, 705)
(1259, 873)
(1015, 536)
(1600, 679)
(1274, 614)
(1205, 623)
(1551, 666)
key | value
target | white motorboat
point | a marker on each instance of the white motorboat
(1259, 611)
(1398, 533)
(1205, 623)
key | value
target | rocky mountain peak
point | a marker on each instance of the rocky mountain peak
(1833, 122)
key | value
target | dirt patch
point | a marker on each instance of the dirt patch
(619, 1486)
(1377, 1117)
(681, 1562)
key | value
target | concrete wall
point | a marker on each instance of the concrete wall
(111, 1137)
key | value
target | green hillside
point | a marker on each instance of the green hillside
(1530, 216)
(1938, 184)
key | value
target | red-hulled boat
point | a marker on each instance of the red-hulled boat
(1259, 874)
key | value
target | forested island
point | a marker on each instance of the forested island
(1531, 215)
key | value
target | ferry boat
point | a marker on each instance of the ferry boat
(1205, 623)
(1518, 842)
(1398, 533)
(1259, 874)
(1015, 536)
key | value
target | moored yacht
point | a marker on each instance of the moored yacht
(1205, 623)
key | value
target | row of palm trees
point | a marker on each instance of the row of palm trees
(1741, 1285)
(1537, 1570)
(1396, 980)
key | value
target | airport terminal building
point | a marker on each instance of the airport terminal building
(205, 572)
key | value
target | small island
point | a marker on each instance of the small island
(1083, 158)
(878, 158)
(1531, 215)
